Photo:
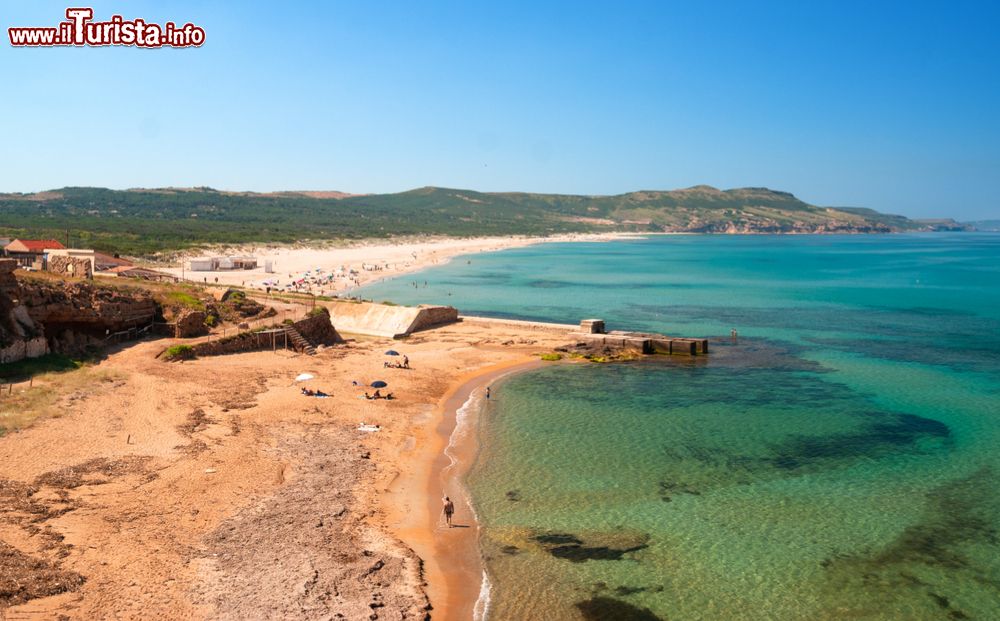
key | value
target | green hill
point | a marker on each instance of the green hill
(145, 221)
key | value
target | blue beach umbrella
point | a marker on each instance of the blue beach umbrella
(392, 352)
(379, 384)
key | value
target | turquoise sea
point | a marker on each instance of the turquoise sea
(840, 460)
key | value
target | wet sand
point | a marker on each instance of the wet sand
(453, 562)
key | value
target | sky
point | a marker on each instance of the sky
(888, 105)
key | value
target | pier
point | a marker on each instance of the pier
(592, 332)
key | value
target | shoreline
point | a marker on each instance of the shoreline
(448, 454)
(358, 260)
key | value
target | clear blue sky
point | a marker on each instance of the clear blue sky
(890, 105)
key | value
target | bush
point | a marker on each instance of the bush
(185, 300)
(179, 352)
(210, 320)
(319, 310)
(551, 357)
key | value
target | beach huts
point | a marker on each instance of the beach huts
(215, 264)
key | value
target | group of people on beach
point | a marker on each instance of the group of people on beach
(378, 395)
(314, 393)
(405, 364)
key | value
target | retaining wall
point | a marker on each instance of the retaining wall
(387, 320)
(316, 329)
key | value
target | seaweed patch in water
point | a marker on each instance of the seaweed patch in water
(942, 546)
(624, 591)
(610, 609)
(889, 434)
(557, 539)
(572, 548)
(670, 488)
(579, 554)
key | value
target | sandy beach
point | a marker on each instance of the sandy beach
(214, 489)
(325, 268)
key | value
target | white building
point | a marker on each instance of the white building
(213, 264)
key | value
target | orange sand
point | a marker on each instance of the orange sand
(227, 494)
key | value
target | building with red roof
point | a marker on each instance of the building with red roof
(31, 252)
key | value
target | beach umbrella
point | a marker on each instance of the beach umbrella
(379, 384)
(304, 377)
(392, 352)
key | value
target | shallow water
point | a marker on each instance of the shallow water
(837, 462)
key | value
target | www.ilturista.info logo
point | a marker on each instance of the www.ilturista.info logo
(79, 29)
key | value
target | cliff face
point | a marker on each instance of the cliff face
(39, 317)
(20, 337)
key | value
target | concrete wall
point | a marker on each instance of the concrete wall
(316, 329)
(319, 329)
(521, 324)
(386, 320)
(242, 342)
(431, 316)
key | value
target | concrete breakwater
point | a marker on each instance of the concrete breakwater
(593, 334)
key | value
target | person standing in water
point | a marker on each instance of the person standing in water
(449, 510)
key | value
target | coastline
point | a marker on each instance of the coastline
(448, 453)
(394, 258)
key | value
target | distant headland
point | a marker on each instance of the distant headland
(141, 221)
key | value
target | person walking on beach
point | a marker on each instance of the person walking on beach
(487, 393)
(449, 510)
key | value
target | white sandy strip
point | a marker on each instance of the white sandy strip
(393, 258)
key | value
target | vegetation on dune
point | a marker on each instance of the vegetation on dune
(178, 352)
(139, 222)
(184, 299)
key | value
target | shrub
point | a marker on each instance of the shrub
(210, 320)
(319, 310)
(551, 357)
(185, 300)
(179, 352)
